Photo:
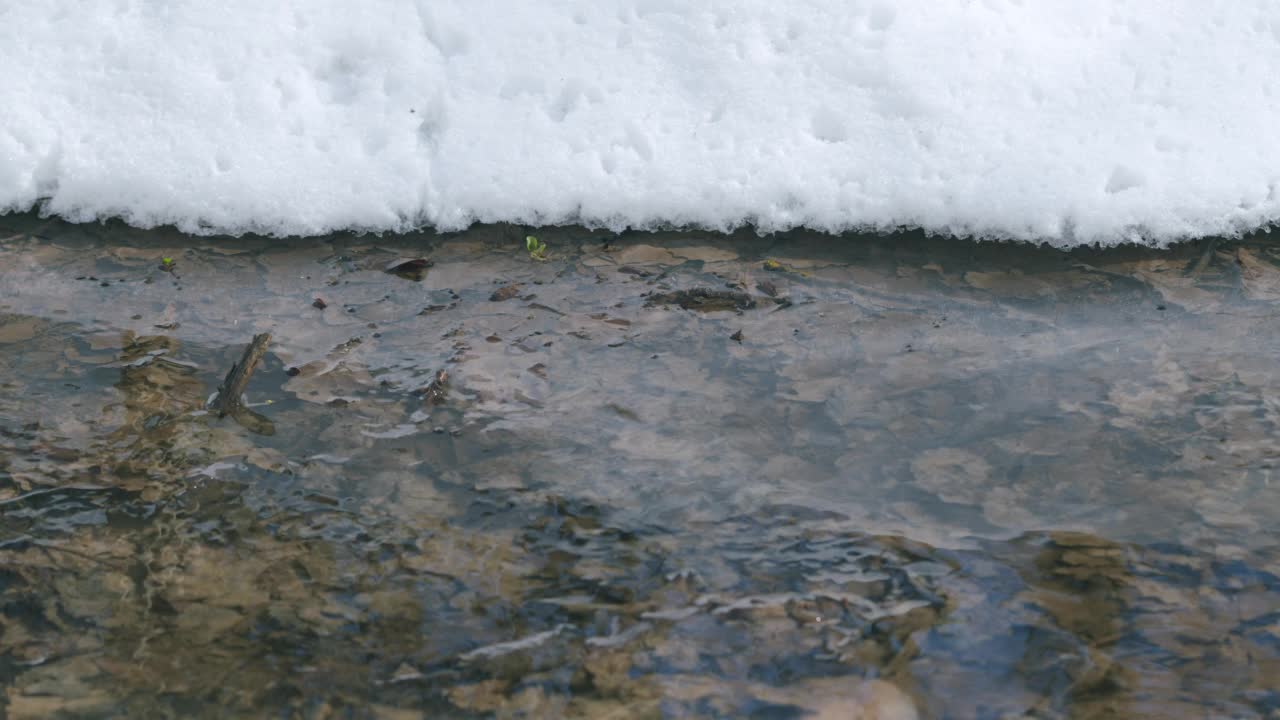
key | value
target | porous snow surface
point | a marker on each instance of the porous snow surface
(1071, 121)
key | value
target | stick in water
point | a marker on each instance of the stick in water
(227, 401)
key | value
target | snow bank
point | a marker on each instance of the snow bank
(1070, 121)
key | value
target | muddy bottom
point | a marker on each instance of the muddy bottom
(651, 475)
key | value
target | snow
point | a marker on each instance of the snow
(1067, 121)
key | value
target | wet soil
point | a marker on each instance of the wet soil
(941, 480)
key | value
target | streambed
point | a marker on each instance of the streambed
(905, 477)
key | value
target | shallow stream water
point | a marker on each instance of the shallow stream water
(872, 477)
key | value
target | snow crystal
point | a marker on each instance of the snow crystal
(1070, 121)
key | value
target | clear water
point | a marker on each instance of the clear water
(940, 480)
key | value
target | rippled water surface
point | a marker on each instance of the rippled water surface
(663, 475)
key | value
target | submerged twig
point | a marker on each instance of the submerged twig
(47, 546)
(237, 379)
(227, 400)
(704, 299)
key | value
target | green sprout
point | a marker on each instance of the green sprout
(166, 264)
(537, 249)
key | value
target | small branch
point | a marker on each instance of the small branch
(232, 388)
(227, 401)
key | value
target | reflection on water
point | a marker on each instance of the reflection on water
(875, 478)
